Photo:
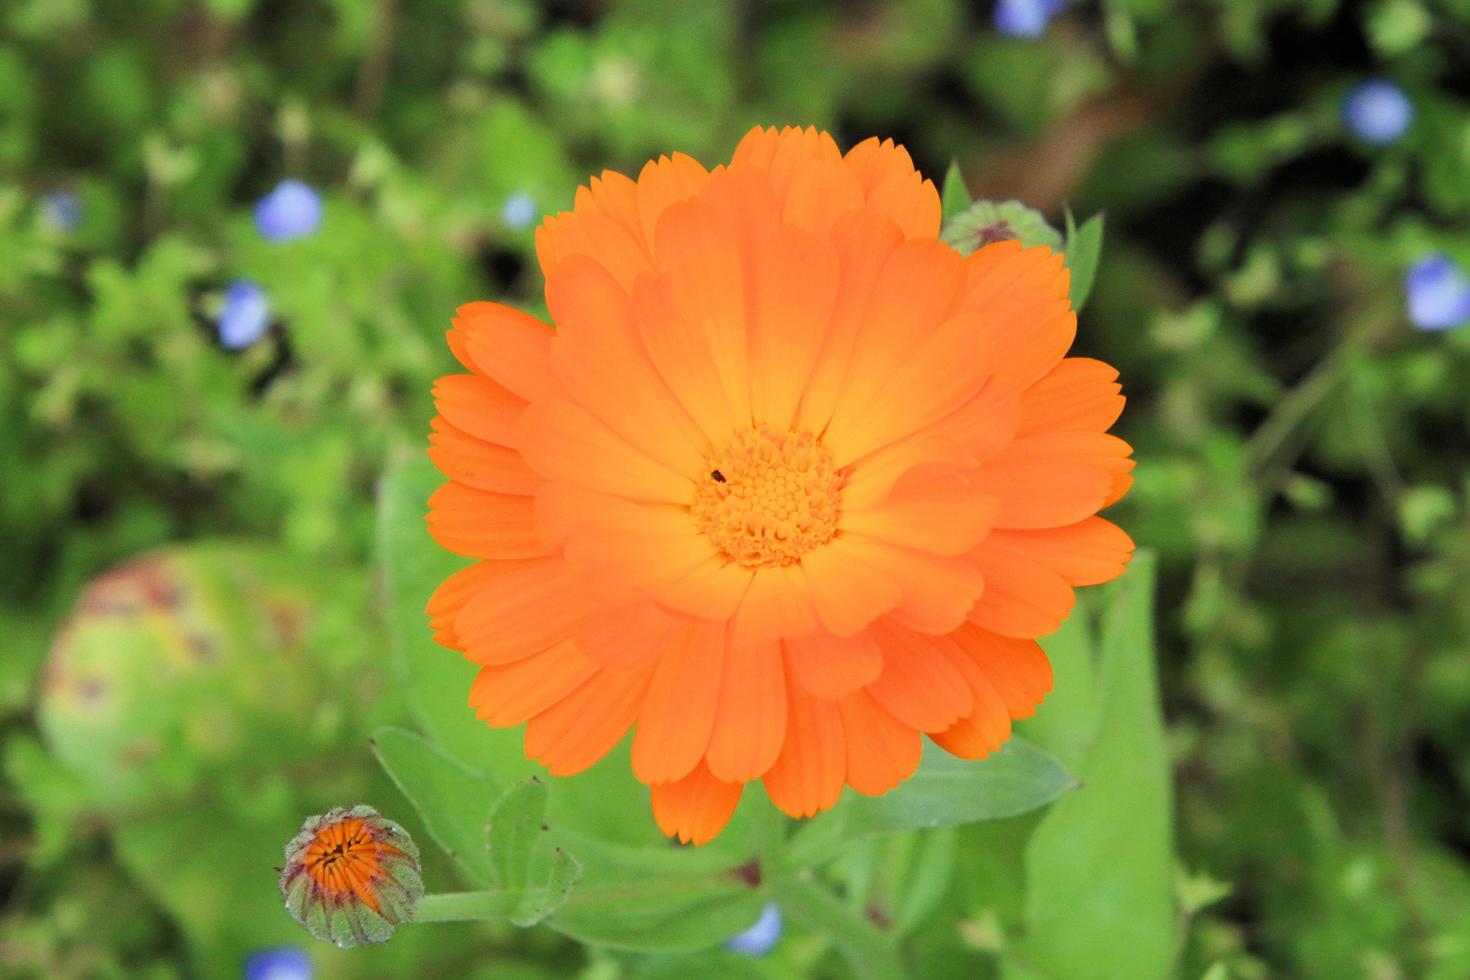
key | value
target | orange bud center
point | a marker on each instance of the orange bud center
(769, 497)
(345, 858)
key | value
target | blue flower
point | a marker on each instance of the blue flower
(519, 211)
(1026, 18)
(1438, 293)
(761, 937)
(292, 210)
(245, 316)
(286, 963)
(1377, 111)
(61, 210)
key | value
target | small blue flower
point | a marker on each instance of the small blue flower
(1377, 111)
(1438, 293)
(245, 316)
(761, 937)
(286, 963)
(519, 211)
(1026, 18)
(292, 210)
(61, 210)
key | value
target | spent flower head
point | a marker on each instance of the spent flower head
(352, 876)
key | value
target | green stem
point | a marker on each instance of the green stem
(872, 954)
(498, 903)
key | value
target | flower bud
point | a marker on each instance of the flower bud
(352, 876)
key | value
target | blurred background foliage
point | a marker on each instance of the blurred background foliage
(192, 619)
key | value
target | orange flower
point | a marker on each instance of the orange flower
(790, 484)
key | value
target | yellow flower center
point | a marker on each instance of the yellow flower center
(769, 497)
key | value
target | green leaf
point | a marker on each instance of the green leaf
(947, 791)
(1099, 868)
(523, 858)
(1084, 249)
(454, 800)
(956, 196)
(985, 222)
(517, 823)
(944, 791)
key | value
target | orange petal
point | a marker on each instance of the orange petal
(511, 693)
(535, 604)
(881, 751)
(937, 591)
(847, 592)
(1023, 596)
(581, 728)
(695, 808)
(1054, 479)
(750, 723)
(808, 775)
(988, 724)
(864, 243)
(663, 183)
(563, 441)
(506, 345)
(678, 714)
(931, 509)
(684, 358)
(478, 463)
(973, 434)
(911, 201)
(938, 377)
(632, 545)
(1024, 302)
(785, 155)
(1018, 669)
(919, 685)
(794, 290)
(873, 161)
(822, 194)
(916, 290)
(1089, 552)
(713, 590)
(705, 271)
(608, 231)
(1078, 395)
(451, 595)
(833, 666)
(778, 603)
(477, 524)
(479, 407)
(633, 634)
(600, 359)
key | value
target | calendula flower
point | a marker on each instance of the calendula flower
(351, 876)
(791, 483)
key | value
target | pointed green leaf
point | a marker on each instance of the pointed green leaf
(517, 823)
(1099, 868)
(943, 792)
(1084, 249)
(956, 196)
(453, 799)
